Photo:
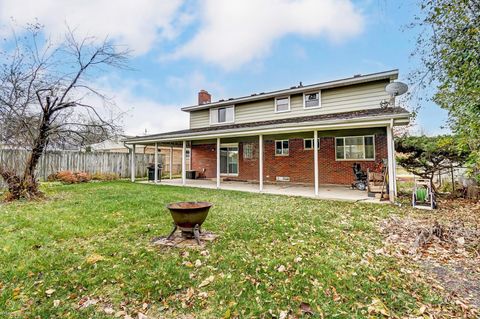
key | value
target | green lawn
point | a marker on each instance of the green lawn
(326, 249)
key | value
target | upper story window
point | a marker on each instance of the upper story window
(355, 148)
(282, 104)
(222, 115)
(312, 100)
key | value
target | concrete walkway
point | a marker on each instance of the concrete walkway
(335, 192)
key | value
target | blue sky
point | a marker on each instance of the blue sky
(233, 48)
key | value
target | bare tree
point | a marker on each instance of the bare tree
(48, 98)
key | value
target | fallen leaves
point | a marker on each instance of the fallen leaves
(49, 292)
(207, 281)
(94, 258)
(444, 245)
(378, 307)
(305, 308)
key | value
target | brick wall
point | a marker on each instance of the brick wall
(204, 160)
(298, 165)
(331, 171)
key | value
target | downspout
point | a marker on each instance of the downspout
(126, 146)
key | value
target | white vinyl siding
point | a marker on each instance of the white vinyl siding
(355, 148)
(336, 100)
(200, 119)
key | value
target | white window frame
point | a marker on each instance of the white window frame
(216, 110)
(228, 145)
(355, 159)
(319, 100)
(281, 98)
(310, 139)
(275, 148)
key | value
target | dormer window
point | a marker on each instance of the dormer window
(311, 100)
(282, 104)
(222, 115)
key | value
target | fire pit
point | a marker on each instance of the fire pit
(188, 217)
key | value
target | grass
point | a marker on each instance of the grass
(93, 241)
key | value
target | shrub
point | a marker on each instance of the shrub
(105, 176)
(69, 177)
(82, 177)
(19, 187)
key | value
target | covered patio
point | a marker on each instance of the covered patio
(335, 192)
(274, 157)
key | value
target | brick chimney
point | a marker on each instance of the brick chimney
(204, 97)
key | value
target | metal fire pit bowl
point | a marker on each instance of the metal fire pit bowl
(189, 217)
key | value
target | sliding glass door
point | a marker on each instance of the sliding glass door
(229, 160)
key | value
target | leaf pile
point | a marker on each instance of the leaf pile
(445, 246)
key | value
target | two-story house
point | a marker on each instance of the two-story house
(306, 134)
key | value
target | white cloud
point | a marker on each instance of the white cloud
(138, 24)
(230, 32)
(235, 32)
(140, 113)
(147, 114)
(192, 83)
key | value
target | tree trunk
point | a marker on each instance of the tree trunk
(26, 186)
(37, 149)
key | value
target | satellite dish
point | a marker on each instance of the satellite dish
(396, 88)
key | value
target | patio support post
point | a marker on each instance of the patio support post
(155, 174)
(315, 160)
(132, 164)
(260, 162)
(171, 161)
(184, 161)
(218, 162)
(391, 164)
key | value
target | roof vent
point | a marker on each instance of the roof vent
(293, 87)
(261, 93)
(221, 100)
(300, 84)
(230, 98)
(357, 75)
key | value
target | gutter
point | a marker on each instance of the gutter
(128, 147)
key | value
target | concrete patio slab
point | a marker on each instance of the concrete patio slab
(334, 192)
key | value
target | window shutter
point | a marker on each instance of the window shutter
(229, 115)
(213, 116)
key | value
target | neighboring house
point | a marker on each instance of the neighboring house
(270, 136)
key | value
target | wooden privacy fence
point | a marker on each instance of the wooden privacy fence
(95, 162)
